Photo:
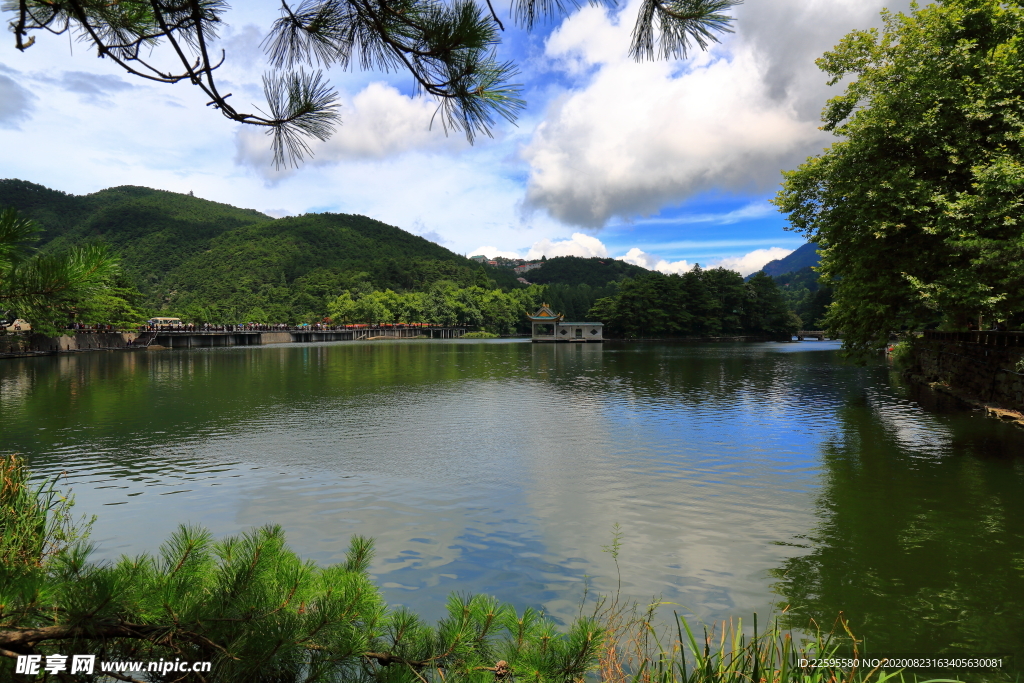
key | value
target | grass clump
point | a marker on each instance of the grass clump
(636, 650)
(480, 335)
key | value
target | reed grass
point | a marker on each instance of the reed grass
(35, 522)
(636, 650)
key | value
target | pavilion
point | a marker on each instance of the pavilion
(549, 326)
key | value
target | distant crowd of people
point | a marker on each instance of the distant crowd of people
(278, 327)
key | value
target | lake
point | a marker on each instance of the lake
(742, 476)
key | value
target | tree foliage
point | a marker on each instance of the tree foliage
(577, 270)
(916, 210)
(699, 303)
(212, 262)
(252, 607)
(805, 296)
(449, 48)
(444, 303)
(42, 288)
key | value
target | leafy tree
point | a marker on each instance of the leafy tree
(916, 210)
(448, 48)
(43, 288)
(118, 304)
(342, 309)
(576, 270)
(805, 296)
(376, 307)
(251, 607)
(699, 303)
(765, 310)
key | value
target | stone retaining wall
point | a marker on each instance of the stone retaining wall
(31, 344)
(276, 338)
(984, 373)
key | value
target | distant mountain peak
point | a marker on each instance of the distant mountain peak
(805, 256)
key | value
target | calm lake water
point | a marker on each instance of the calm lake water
(742, 475)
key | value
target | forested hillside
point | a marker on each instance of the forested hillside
(700, 303)
(805, 296)
(804, 257)
(210, 262)
(576, 270)
(191, 255)
(575, 283)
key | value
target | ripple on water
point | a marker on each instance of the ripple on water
(498, 468)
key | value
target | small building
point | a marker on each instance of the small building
(527, 267)
(549, 326)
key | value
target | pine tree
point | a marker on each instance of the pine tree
(249, 606)
(42, 288)
(449, 48)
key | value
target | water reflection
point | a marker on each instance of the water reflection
(920, 539)
(501, 468)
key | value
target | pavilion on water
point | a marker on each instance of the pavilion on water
(549, 326)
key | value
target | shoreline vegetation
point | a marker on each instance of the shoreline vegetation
(256, 611)
(209, 263)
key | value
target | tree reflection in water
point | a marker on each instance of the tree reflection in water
(921, 539)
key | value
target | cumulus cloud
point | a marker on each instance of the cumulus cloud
(651, 262)
(753, 261)
(637, 137)
(15, 102)
(377, 123)
(746, 264)
(493, 252)
(579, 244)
(589, 246)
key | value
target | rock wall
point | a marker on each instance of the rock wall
(276, 338)
(25, 344)
(984, 373)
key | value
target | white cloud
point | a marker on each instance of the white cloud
(377, 123)
(15, 102)
(577, 245)
(746, 264)
(96, 88)
(753, 261)
(637, 137)
(588, 246)
(493, 252)
(651, 262)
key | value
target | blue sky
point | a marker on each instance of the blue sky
(665, 164)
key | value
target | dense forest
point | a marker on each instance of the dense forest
(805, 296)
(573, 283)
(209, 262)
(700, 303)
(181, 255)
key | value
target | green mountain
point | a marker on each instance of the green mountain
(576, 270)
(804, 257)
(805, 296)
(182, 251)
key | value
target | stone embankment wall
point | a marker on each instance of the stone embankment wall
(985, 370)
(32, 344)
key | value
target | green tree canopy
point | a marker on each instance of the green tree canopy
(251, 607)
(699, 303)
(449, 48)
(43, 288)
(917, 209)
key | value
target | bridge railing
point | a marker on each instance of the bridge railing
(985, 337)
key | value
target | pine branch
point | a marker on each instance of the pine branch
(677, 23)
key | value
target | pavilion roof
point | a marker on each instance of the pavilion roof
(546, 314)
